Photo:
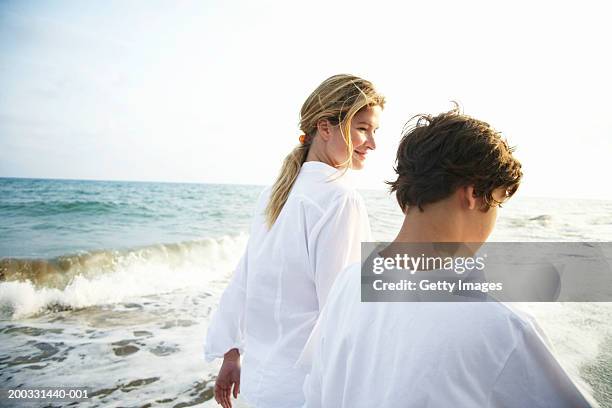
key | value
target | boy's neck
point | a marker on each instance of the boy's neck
(438, 223)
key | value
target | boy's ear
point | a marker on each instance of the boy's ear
(470, 197)
(324, 129)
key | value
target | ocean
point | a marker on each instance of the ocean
(110, 285)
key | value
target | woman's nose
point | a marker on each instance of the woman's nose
(371, 142)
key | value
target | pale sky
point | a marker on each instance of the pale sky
(210, 91)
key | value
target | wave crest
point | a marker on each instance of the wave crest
(29, 286)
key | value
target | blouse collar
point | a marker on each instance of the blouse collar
(329, 172)
(319, 167)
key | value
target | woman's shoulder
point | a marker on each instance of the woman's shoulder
(263, 197)
(334, 196)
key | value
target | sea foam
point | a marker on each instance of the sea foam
(120, 276)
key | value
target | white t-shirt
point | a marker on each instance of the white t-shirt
(429, 354)
(272, 302)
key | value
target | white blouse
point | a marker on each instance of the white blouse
(430, 354)
(273, 300)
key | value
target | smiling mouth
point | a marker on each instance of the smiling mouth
(362, 156)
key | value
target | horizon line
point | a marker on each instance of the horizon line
(257, 185)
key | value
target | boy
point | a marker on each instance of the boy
(453, 171)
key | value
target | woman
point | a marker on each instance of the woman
(307, 228)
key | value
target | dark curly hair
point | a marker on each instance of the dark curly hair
(438, 154)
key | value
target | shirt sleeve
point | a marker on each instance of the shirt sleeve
(313, 383)
(226, 329)
(335, 241)
(312, 386)
(532, 376)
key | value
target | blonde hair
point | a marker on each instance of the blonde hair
(338, 99)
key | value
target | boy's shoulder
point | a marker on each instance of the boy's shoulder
(491, 318)
(349, 278)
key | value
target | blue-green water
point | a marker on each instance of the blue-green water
(47, 218)
(41, 218)
(110, 285)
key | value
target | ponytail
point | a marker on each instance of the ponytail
(281, 188)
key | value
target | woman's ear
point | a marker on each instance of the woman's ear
(324, 129)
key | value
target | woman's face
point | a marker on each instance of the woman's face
(363, 129)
